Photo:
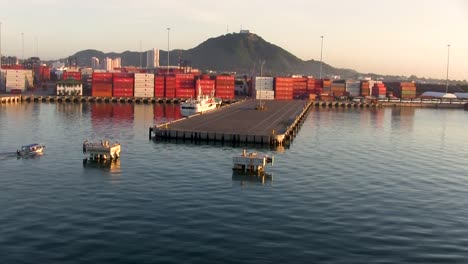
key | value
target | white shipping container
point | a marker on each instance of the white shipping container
(143, 86)
(264, 83)
(264, 95)
(353, 88)
(141, 89)
(143, 95)
(144, 76)
(144, 83)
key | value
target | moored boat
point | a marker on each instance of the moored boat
(200, 104)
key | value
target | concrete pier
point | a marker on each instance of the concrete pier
(96, 99)
(240, 123)
(4, 99)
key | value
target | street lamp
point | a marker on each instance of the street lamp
(168, 31)
(321, 53)
(22, 41)
(448, 60)
(0, 49)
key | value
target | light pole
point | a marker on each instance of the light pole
(22, 41)
(168, 30)
(37, 47)
(448, 61)
(0, 48)
(261, 82)
(140, 54)
(321, 53)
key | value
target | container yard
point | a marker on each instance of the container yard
(239, 123)
(134, 85)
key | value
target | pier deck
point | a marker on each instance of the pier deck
(240, 123)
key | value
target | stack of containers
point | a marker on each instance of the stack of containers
(170, 86)
(365, 88)
(28, 74)
(159, 86)
(314, 86)
(144, 85)
(207, 87)
(87, 83)
(44, 73)
(263, 87)
(185, 85)
(353, 88)
(284, 88)
(407, 90)
(101, 84)
(2, 80)
(379, 90)
(205, 77)
(225, 87)
(338, 88)
(122, 84)
(299, 87)
(326, 85)
(15, 80)
(75, 75)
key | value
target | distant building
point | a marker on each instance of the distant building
(152, 59)
(107, 64)
(95, 63)
(116, 63)
(244, 31)
(58, 65)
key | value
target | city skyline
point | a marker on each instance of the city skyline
(384, 37)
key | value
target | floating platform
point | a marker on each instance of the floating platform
(101, 150)
(240, 123)
(251, 162)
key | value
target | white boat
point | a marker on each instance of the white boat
(30, 149)
(200, 104)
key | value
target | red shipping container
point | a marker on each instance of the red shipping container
(105, 77)
(101, 89)
(72, 75)
(185, 93)
(123, 75)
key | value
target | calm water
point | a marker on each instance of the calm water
(355, 186)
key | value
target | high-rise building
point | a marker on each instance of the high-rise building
(116, 63)
(107, 64)
(94, 63)
(152, 58)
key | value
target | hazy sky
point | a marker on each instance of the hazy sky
(400, 37)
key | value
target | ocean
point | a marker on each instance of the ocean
(384, 185)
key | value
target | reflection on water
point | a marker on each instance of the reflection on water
(403, 117)
(30, 156)
(112, 166)
(249, 178)
(8, 155)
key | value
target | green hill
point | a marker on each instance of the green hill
(241, 53)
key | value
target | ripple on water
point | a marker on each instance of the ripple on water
(355, 186)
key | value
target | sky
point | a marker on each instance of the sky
(396, 37)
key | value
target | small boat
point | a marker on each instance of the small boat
(30, 149)
(201, 104)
